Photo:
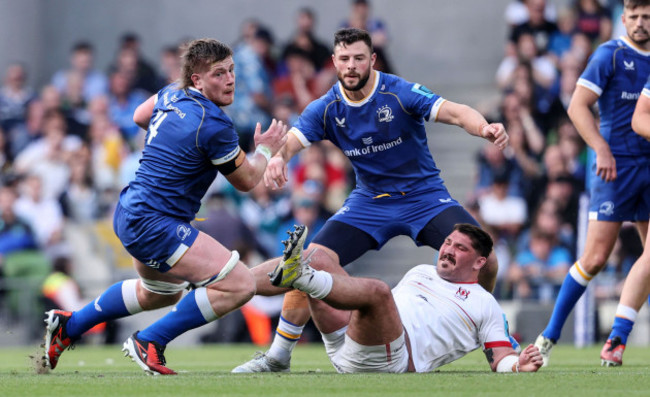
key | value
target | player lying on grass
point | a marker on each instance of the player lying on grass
(435, 315)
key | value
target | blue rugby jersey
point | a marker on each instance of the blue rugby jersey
(616, 72)
(188, 136)
(383, 134)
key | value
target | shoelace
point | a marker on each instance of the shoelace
(160, 353)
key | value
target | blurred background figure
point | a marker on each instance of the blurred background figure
(129, 60)
(15, 96)
(82, 62)
(360, 17)
(252, 103)
(539, 269)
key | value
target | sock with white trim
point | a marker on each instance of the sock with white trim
(119, 300)
(623, 323)
(287, 335)
(574, 285)
(193, 311)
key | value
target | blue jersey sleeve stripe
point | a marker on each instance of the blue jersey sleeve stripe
(301, 137)
(590, 86)
(435, 109)
(227, 157)
(646, 92)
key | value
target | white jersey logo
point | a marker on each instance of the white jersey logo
(97, 307)
(182, 231)
(628, 65)
(343, 210)
(607, 208)
(340, 122)
(367, 141)
(385, 114)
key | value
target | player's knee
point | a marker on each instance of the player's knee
(244, 287)
(594, 263)
(380, 290)
(321, 260)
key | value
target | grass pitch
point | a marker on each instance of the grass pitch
(103, 371)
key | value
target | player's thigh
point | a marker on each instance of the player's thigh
(601, 237)
(439, 227)
(380, 322)
(344, 240)
(205, 259)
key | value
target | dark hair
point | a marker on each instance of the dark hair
(199, 55)
(347, 36)
(264, 34)
(481, 241)
(82, 46)
(632, 4)
(307, 11)
(129, 37)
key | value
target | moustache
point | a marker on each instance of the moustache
(449, 259)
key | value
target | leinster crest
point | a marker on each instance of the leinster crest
(385, 114)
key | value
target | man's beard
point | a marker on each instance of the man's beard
(641, 42)
(362, 82)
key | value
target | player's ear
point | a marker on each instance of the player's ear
(373, 58)
(480, 262)
(196, 81)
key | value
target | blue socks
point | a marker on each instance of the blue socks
(574, 285)
(623, 322)
(193, 311)
(119, 300)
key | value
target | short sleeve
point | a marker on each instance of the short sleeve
(598, 71)
(420, 101)
(219, 141)
(310, 124)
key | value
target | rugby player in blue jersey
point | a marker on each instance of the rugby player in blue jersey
(637, 283)
(377, 120)
(189, 139)
(620, 176)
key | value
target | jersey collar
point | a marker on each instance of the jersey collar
(634, 46)
(364, 100)
(195, 90)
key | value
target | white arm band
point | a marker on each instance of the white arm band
(264, 151)
(508, 364)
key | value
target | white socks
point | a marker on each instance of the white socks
(286, 337)
(316, 283)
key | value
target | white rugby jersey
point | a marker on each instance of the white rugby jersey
(444, 320)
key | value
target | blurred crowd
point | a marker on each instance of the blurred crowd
(69, 147)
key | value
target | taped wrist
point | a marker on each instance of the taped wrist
(508, 364)
(264, 151)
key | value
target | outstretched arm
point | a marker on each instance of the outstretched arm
(505, 359)
(276, 174)
(473, 122)
(247, 175)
